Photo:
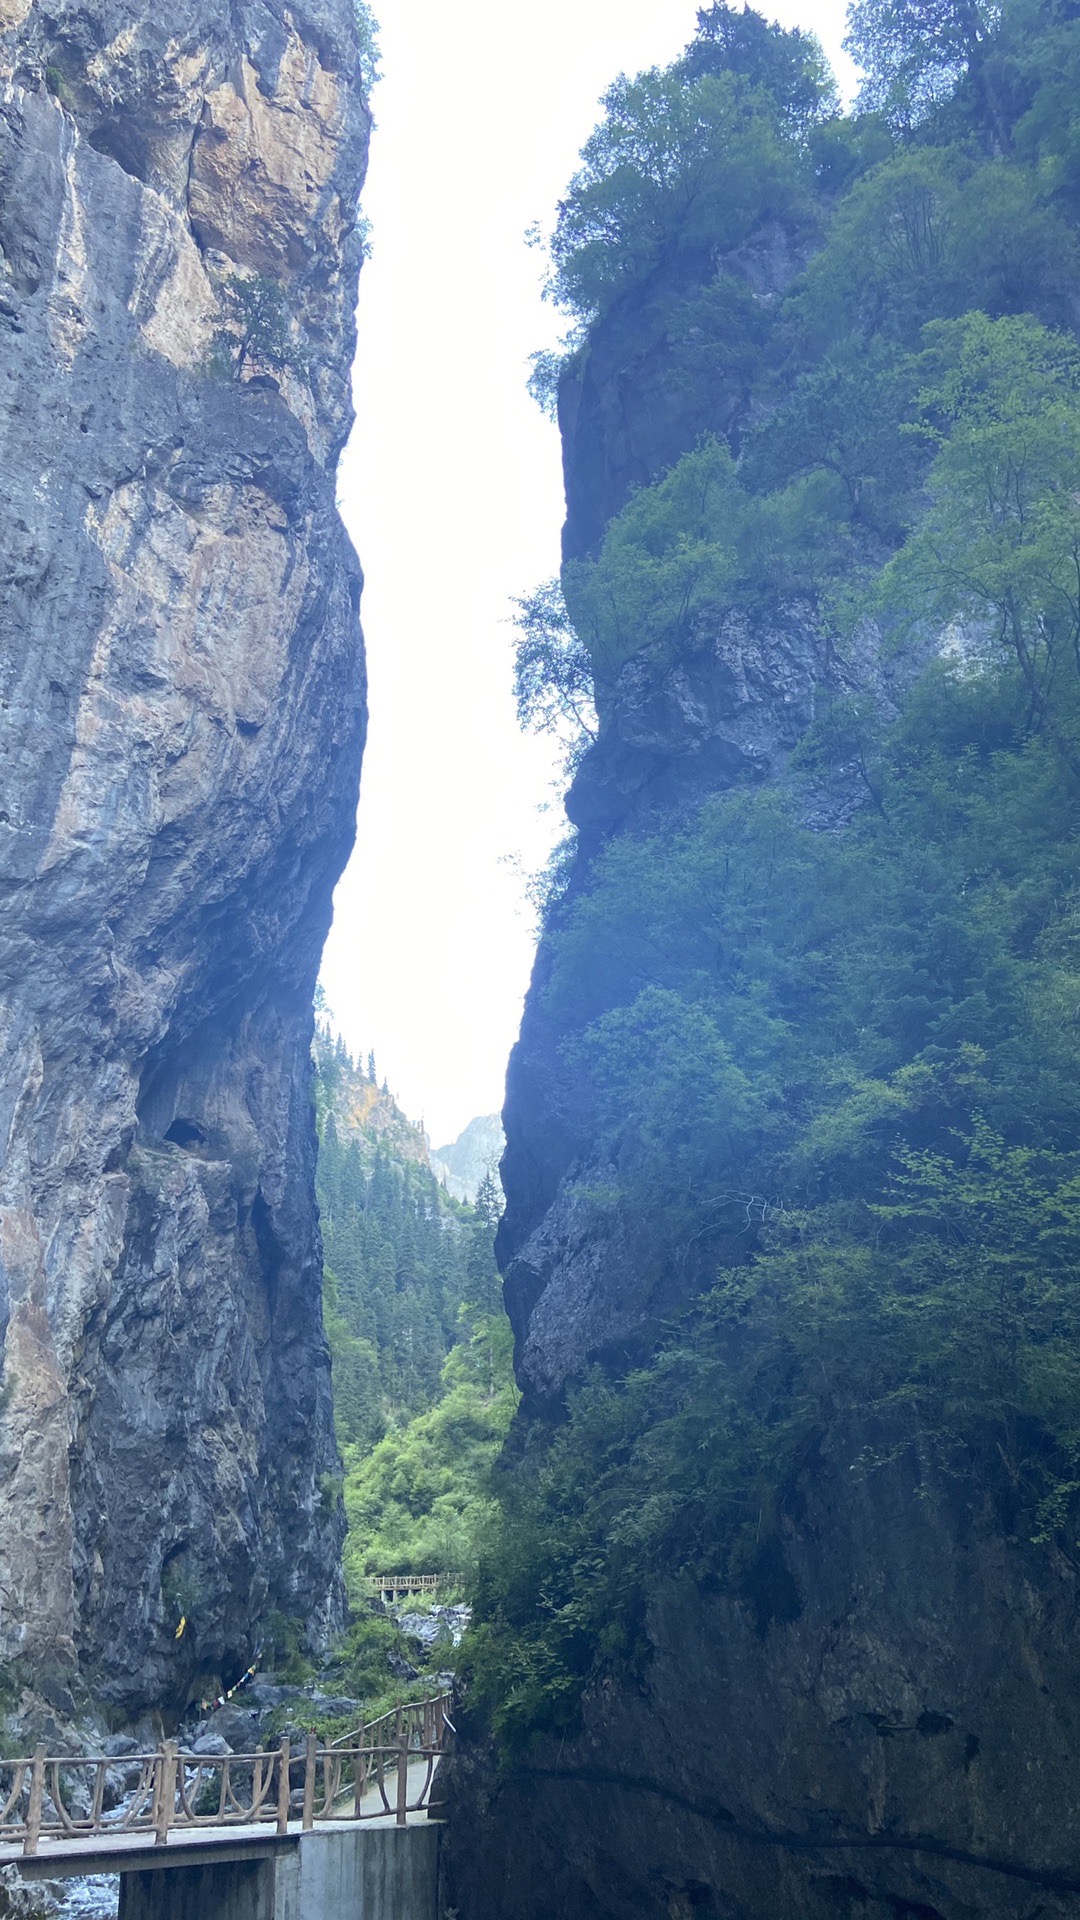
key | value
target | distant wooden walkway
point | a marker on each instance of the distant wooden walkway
(382, 1771)
(398, 1586)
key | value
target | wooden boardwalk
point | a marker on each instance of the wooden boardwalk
(52, 1807)
(401, 1586)
(58, 1857)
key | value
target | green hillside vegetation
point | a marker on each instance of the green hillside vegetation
(420, 1502)
(421, 1349)
(845, 1063)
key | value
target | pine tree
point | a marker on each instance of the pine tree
(489, 1200)
(407, 1268)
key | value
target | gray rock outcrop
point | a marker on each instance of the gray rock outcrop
(182, 699)
(461, 1166)
(887, 1731)
(880, 1722)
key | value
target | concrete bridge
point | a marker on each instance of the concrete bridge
(330, 1872)
(342, 1831)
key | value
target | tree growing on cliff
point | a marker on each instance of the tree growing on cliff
(914, 53)
(787, 65)
(264, 323)
(674, 167)
(998, 546)
(695, 549)
(553, 677)
(832, 1070)
(367, 28)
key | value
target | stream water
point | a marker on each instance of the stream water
(95, 1898)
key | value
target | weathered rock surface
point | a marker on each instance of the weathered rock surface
(888, 1730)
(461, 1166)
(182, 699)
(23, 1900)
(626, 410)
(882, 1723)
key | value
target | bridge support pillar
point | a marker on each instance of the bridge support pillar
(236, 1890)
(353, 1873)
(381, 1873)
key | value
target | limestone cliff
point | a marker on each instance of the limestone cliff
(881, 1722)
(874, 1715)
(183, 713)
(899, 1745)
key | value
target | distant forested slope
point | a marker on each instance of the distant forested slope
(420, 1345)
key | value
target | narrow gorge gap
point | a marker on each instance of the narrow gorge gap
(668, 1503)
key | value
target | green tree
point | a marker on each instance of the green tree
(489, 1201)
(788, 66)
(553, 684)
(913, 53)
(421, 1501)
(673, 168)
(670, 554)
(998, 548)
(266, 330)
(367, 28)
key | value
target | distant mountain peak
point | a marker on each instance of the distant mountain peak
(461, 1166)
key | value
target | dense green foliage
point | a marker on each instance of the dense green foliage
(421, 1501)
(703, 161)
(368, 31)
(915, 53)
(402, 1259)
(945, 1320)
(851, 1063)
(423, 1388)
(788, 68)
(831, 1073)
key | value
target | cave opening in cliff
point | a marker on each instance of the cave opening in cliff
(186, 1133)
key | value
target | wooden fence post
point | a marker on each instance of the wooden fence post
(402, 1778)
(283, 1787)
(37, 1795)
(309, 1783)
(155, 1800)
(99, 1795)
(166, 1797)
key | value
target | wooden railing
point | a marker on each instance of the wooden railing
(396, 1584)
(386, 1767)
(422, 1722)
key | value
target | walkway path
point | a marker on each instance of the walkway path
(380, 1776)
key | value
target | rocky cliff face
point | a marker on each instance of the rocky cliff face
(462, 1165)
(882, 1726)
(899, 1744)
(183, 711)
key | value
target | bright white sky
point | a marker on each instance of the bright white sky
(451, 489)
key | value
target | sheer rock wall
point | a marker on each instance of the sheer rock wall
(895, 1739)
(882, 1728)
(182, 701)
